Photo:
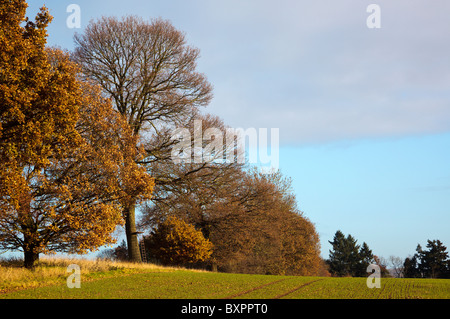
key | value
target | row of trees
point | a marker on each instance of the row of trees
(347, 258)
(255, 227)
(148, 71)
(433, 262)
(87, 137)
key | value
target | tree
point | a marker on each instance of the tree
(347, 258)
(119, 253)
(411, 268)
(300, 245)
(397, 265)
(344, 257)
(433, 262)
(366, 258)
(175, 242)
(382, 263)
(66, 156)
(149, 73)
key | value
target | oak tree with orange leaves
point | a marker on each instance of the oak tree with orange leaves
(67, 159)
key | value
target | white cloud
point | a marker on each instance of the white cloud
(311, 68)
(316, 71)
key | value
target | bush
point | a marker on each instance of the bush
(177, 243)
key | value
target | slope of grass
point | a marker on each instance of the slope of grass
(107, 280)
(51, 271)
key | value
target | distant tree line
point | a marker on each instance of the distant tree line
(347, 258)
(432, 262)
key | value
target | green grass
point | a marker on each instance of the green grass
(170, 283)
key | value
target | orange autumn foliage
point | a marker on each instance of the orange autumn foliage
(175, 242)
(67, 159)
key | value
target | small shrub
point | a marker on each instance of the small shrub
(177, 243)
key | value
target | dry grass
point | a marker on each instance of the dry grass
(50, 271)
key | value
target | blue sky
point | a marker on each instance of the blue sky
(364, 114)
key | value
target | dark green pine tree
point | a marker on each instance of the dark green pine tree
(344, 257)
(354, 258)
(433, 262)
(365, 259)
(337, 267)
(411, 268)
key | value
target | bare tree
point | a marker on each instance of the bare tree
(150, 74)
(201, 177)
(397, 266)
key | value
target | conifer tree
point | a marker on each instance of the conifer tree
(347, 258)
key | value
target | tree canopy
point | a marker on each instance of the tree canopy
(67, 158)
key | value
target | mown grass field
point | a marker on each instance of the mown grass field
(121, 281)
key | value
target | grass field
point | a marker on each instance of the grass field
(112, 280)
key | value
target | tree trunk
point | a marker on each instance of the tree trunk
(31, 254)
(134, 255)
(30, 259)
